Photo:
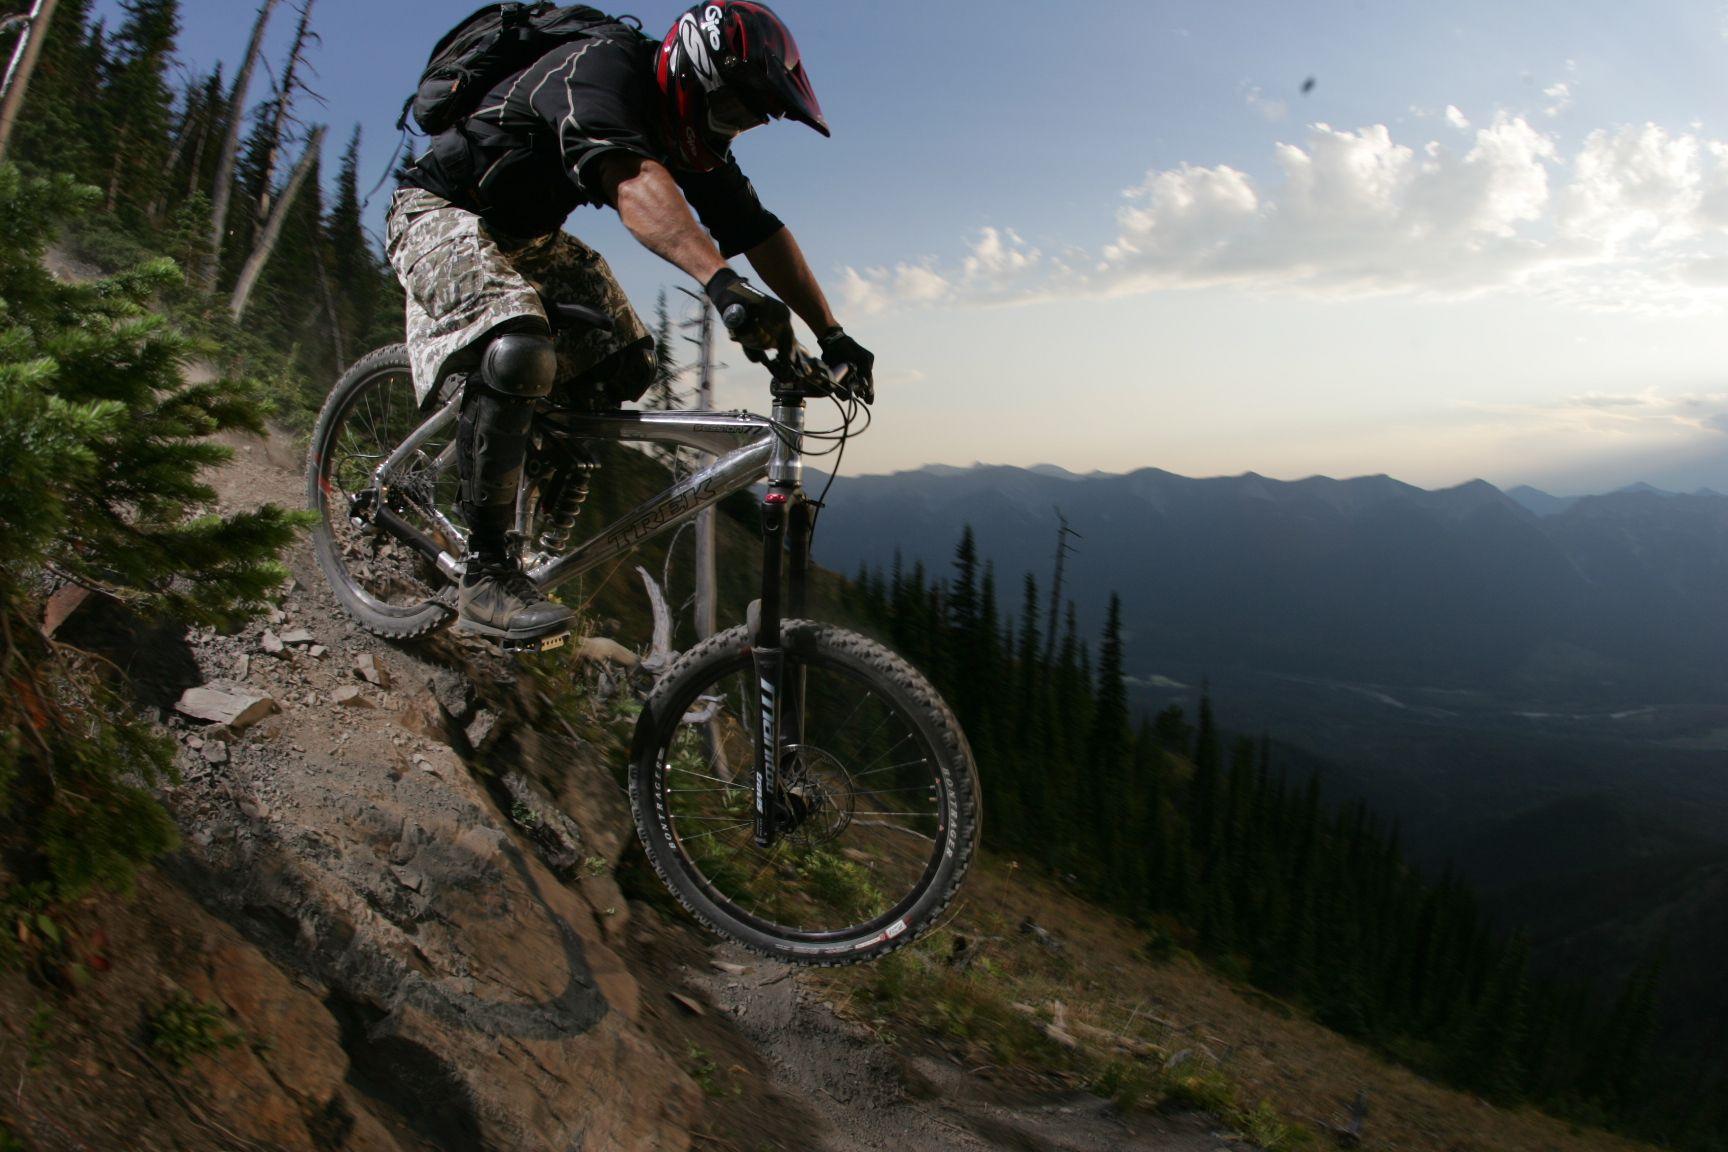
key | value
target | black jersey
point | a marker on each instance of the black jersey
(526, 158)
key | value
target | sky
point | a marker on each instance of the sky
(1488, 240)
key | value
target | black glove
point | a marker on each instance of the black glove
(840, 349)
(756, 320)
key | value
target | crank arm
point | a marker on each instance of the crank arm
(387, 519)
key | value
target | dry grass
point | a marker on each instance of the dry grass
(1170, 1033)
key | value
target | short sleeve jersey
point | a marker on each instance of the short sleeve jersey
(529, 154)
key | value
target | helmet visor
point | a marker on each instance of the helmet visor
(768, 68)
(730, 114)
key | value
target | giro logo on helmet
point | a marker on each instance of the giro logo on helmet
(725, 67)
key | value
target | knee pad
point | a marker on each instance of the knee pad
(523, 364)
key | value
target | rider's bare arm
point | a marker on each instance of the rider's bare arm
(654, 210)
(781, 264)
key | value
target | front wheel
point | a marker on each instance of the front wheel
(876, 811)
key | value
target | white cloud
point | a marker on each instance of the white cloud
(999, 264)
(1273, 110)
(1635, 218)
(1641, 414)
(1559, 97)
(1635, 183)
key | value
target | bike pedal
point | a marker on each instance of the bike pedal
(535, 646)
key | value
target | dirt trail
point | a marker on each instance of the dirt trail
(873, 1097)
(352, 839)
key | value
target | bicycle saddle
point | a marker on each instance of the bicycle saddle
(576, 315)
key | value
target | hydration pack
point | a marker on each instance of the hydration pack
(495, 42)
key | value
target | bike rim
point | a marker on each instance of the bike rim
(865, 795)
(388, 575)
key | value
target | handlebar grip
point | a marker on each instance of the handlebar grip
(735, 317)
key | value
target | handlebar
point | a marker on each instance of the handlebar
(794, 369)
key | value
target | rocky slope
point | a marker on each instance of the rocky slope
(396, 923)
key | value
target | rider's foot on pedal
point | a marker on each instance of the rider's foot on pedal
(501, 603)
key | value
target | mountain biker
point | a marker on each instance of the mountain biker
(614, 119)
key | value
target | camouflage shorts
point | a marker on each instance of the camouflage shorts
(463, 281)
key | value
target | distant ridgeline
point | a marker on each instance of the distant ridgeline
(1210, 846)
(1367, 580)
(295, 286)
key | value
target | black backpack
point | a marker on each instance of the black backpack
(491, 44)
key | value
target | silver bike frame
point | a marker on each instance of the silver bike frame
(748, 447)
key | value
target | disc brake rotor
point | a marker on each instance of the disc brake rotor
(815, 800)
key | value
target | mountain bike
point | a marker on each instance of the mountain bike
(797, 786)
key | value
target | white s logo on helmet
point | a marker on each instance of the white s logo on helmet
(690, 38)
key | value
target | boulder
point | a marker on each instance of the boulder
(487, 1000)
(370, 669)
(217, 706)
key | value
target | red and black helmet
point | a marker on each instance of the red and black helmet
(727, 66)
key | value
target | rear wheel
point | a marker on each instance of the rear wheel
(876, 809)
(391, 589)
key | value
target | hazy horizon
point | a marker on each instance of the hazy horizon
(1504, 486)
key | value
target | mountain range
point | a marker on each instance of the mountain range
(1365, 580)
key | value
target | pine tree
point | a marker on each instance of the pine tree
(1205, 800)
(140, 101)
(354, 267)
(1489, 1056)
(663, 393)
(58, 128)
(1106, 789)
(105, 447)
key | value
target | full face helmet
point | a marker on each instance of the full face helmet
(724, 68)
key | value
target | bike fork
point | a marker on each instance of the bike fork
(770, 662)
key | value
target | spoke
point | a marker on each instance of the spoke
(896, 828)
(712, 832)
(891, 768)
(868, 696)
(700, 776)
(890, 752)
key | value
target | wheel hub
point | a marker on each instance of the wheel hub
(813, 805)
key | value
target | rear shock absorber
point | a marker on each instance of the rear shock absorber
(563, 502)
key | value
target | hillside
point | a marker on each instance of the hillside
(1534, 691)
(411, 918)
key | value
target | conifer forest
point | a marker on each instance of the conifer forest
(1204, 838)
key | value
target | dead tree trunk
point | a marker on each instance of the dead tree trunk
(34, 31)
(1063, 551)
(273, 227)
(284, 109)
(223, 192)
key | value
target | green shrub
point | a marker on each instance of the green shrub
(184, 1028)
(105, 444)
